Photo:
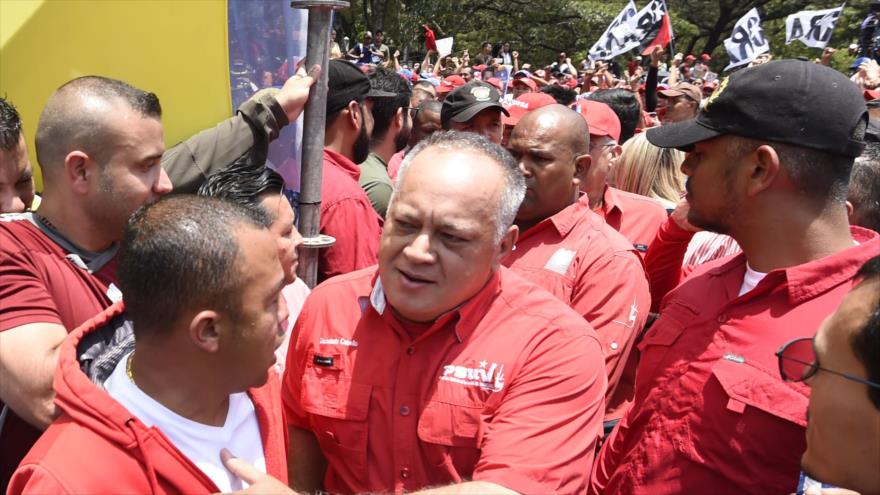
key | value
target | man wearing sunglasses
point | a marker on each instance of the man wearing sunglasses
(769, 160)
(841, 364)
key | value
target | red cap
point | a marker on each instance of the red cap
(494, 81)
(532, 85)
(705, 57)
(690, 58)
(571, 83)
(450, 83)
(524, 104)
(480, 67)
(871, 94)
(600, 118)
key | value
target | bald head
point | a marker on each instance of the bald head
(83, 115)
(565, 125)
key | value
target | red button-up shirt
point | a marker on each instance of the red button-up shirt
(347, 215)
(580, 259)
(636, 217)
(711, 412)
(507, 388)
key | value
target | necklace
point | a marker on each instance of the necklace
(128, 369)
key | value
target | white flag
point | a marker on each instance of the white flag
(812, 27)
(444, 47)
(747, 40)
(613, 41)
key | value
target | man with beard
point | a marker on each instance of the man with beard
(769, 160)
(346, 211)
(425, 122)
(391, 130)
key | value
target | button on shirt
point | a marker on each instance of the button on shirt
(636, 217)
(507, 388)
(347, 215)
(710, 409)
(591, 267)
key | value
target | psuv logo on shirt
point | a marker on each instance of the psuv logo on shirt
(489, 376)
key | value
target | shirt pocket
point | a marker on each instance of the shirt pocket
(450, 435)
(661, 337)
(750, 421)
(338, 409)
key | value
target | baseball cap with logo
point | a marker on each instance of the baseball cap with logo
(600, 118)
(786, 101)
(686, 89)
(346, 83)
(524, 104)
(463, 103)
(449, 83)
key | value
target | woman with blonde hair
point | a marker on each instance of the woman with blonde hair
(645, 169)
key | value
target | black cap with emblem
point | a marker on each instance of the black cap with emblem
(787, 101)
(347, 83)
(463, 103)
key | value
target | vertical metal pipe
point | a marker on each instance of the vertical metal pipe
(314, 116)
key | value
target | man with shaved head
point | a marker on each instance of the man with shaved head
(569, 250)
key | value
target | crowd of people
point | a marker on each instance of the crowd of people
(566, 282)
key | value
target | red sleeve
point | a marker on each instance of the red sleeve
(355, 225)
(542, 438)
(24, 295)
(291, 386)
(663, 260)
(33, 478)
(614, 298)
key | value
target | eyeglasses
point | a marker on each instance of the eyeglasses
(798, 362)
(593, 146)
(412, 111)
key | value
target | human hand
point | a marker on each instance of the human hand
(515, 54)
(657, 56)
(295, 93)
(680, 214)
(677, 59)
(396, 54)
(260, 483)
(827, 53)
(871, 72)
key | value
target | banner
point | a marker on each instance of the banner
(812, 27)
(660, 33)
(444, 47)
(747, 40)
(612, 41)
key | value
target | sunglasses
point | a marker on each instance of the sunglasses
(798, 362)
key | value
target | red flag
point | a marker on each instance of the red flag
(663, 36)
(430, 39)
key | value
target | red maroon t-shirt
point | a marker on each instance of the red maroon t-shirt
(39, 283)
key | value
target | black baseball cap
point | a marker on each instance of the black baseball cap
(347, 83)
(786, 101)
(462, 103)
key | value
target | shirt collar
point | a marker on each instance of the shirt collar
(610, 200)
(343, 163)
(564, 220)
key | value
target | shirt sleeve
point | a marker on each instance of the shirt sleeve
(542, 438)
(34, 479)
(24, 295)
(379, 193)
(663, 260)
(291, 385)
(256, 123)
(355, 226)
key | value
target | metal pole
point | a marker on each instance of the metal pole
(314, 116)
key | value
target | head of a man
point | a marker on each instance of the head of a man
(843, 429)
(771, 138)
(257, 186)
(680, 102)
(99, 144)
(367, 38)
(864, 189)
(626, 105)
(391, 116)
(422, 90)
(425, 122)
(380, 36)
(474, 107)
(487, 48)
(449, 223)
(350, 110)
(604, 148)
(522, 86)
(551, 145)
(16, 173)
(201, 277)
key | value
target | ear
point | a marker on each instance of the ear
(763, 169)
(79, 169)
(205, 331)
(849, 211)
(354, 115)
(508, 243)
(399, 118)
(615, 154)
(581, 167)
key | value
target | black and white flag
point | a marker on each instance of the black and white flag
(614, 40)
(812, 27)
(747, 40)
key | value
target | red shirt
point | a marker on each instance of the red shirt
(39, 284)
(507, 388)
(636, 217)
(394, 164)
(711, 410)
(580, 259)
(347, 215)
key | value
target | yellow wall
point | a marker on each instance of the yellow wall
(175, 48)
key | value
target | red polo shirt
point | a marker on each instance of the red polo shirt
(580, 259)
(394, 164)
(711, 411)
(507, 388)
(347, 215)
(636, 217)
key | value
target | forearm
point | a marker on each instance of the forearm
(28, 359)
(306, 463)
(663, 260)
(651, 89)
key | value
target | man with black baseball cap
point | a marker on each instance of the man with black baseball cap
(474, 107)
(346, 211)
(769, 160)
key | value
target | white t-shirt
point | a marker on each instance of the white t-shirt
(751, 279)
(199, 442)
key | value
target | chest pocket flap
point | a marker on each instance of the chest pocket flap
(450, 424)
(757, 388)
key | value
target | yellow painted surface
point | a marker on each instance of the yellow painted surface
(174, 48)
